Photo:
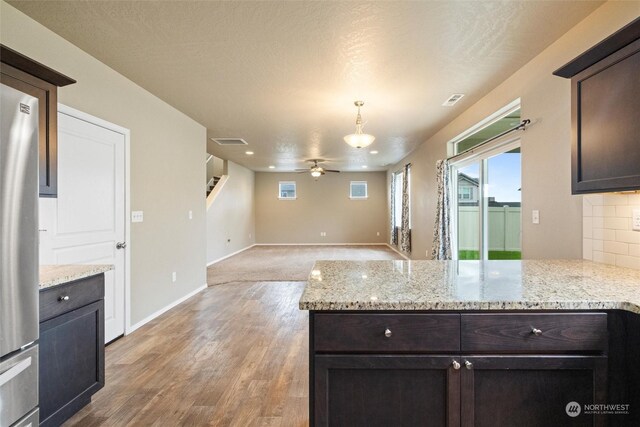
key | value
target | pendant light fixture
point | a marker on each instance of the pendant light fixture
(359, 139)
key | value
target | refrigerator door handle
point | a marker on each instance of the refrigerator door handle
(14, 371)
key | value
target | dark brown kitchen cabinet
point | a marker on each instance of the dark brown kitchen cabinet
(530, 391)
(386, 391)
(456, 369)
(71, 367)
(605, 100)
(40, 81)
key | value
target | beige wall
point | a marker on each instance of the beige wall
(167, 163)
(231, 217)
(545, 145)
(321, 206)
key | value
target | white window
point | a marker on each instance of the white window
(465, 193)
(358, 190)
(287, 190)
(397, 215)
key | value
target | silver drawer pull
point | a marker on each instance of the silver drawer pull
(468, 364)
(537, 332)
(13, 372)
(455, 365)
(64, 298)
(387, 332)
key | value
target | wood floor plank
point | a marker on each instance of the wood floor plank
(233, 355)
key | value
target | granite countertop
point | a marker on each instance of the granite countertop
(52, 275)
(471, 285)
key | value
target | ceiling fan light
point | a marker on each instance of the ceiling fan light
(359, 140)
(316, 173)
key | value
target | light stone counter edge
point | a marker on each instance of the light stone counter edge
(53, 275)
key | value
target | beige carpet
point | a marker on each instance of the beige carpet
(287, 263)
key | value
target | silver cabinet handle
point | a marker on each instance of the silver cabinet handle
(13, 372)
(64, 298)
(537, 332)
(455, 365)
(468, 364)
(387, 332)
(121, 245)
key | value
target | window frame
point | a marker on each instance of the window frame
(295, 190)
(366, 190)
(398, 177)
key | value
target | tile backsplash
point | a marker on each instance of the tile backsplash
(606, 229)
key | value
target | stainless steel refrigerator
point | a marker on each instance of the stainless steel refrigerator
(18, 258)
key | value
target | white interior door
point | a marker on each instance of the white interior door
(86, 221)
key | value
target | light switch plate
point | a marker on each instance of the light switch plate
(535, 216)
(190, 214)
(635, 220)
(137, 216)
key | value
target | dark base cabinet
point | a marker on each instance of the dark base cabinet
(386, 391)
(71, 348)
(531, 391)
(525, 369)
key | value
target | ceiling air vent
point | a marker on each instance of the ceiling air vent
(453, 99)
(229, 141)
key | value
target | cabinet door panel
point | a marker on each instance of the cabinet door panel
(71, 362)
(386, 390)
(531, 391)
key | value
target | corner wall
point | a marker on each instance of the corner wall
(322, 206)
(167, 163)
(231, 218)
(546, 146)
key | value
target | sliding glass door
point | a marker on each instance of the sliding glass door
(487, 204)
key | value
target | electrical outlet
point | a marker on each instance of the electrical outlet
(137, 216)
(535, 216)
(190, 214)
(173, 276)
(635, 220)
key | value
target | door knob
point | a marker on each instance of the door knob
(537, 332)
(455, 365)
(387, 333)
(468, 364)
(121, 245)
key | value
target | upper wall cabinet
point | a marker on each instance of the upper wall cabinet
(605, 114)
(33, 78)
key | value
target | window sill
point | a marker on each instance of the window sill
(358, 198)
(287, 198)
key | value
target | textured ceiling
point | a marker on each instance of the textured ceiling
(284, 75)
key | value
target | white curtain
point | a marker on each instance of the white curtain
(405, 232)
(442, 228)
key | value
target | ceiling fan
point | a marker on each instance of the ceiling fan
(316, 170)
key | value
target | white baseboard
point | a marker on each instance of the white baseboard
(163, 310)
(230, 255)
(320, 244)
(398, 252)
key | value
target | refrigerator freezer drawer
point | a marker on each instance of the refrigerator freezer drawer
(18, 385)
(31, 420)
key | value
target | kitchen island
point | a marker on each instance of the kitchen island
(495, 343)
(71, 364)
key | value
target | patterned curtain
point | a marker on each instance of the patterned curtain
(441, 230)
(394, 230)
(405, 232)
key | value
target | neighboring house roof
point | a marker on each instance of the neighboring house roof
(470, 180)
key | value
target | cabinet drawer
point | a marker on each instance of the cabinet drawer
(523, 333)
(404, 332)
(64, 298)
